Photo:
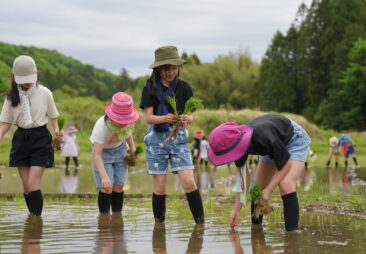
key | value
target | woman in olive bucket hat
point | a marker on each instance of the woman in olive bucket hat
(163, 82)
(282, 145)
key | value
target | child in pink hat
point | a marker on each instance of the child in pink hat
(70, 148)
(282, 145)
(109, 137)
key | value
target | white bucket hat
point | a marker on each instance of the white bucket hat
(333, 141)
(24, 70)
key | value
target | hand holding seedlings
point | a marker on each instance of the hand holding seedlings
(131, 158)
(58, 140)
(181, 120)
(261, 205)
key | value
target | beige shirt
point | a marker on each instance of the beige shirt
(42, 107)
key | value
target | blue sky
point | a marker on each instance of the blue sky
(112, 34)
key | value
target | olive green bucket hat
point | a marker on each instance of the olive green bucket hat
(167, 55)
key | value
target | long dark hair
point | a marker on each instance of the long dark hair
(154, 78)
(13, 93)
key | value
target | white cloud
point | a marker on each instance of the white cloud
(114, 34)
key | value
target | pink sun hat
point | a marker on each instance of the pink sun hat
(71, 129)
(121, 109)
(228, 142)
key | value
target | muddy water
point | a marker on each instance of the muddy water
(77, 228)
(209, 179)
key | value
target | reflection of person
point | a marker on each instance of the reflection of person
(109, 137)
(70, 147)
(348, 148)
(165, 82)
(29, 106)
(334, 149)
(258, 241)
(110, 234)
(283, 146)
(159, 239)
(69, 183)
(33, 228)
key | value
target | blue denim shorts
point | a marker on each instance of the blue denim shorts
(114, 164)
(297, 147)
(350, 150)
(159, 153)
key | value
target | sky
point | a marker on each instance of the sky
(116, 34)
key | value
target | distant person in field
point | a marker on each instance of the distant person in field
(165, 82)
(111, 134)
(196, 145)
(348, 148)
(30, 106)
(334, 149)
(70, 148)
(203, 151)
(282, 145)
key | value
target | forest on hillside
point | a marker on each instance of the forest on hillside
(316, 69)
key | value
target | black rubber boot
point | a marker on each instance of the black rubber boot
(36, 202)
(291, 211)
(104, 202)
(159, 207)
(196, 206)
(117, 201)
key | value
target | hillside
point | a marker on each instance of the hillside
(60, 72)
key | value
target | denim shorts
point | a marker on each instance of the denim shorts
(114, 164)
(159, 153)
(350, 150)
(297, 147)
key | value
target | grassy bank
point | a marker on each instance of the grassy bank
(204, 119)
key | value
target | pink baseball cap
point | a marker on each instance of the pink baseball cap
(121, 109)
(228, 142)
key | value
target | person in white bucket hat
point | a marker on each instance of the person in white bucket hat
(29, 106)
(334, 149)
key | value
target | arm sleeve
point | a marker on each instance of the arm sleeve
(146, 99)
(51, 110)
(98, 135)
(6, 112)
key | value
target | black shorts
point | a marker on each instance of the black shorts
(32, 147)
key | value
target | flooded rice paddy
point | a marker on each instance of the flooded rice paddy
(70, 228)
(76, 227)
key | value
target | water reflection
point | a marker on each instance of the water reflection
(110, 234)
(257, 239)
(159, 239)
(69, 183)
(32, 235)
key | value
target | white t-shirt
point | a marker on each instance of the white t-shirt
(103, 135)
(42, 108)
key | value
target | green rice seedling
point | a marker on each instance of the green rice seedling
(56, 142)
(61, 121)
(131, 158)
(191, 105)
(256, 193)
